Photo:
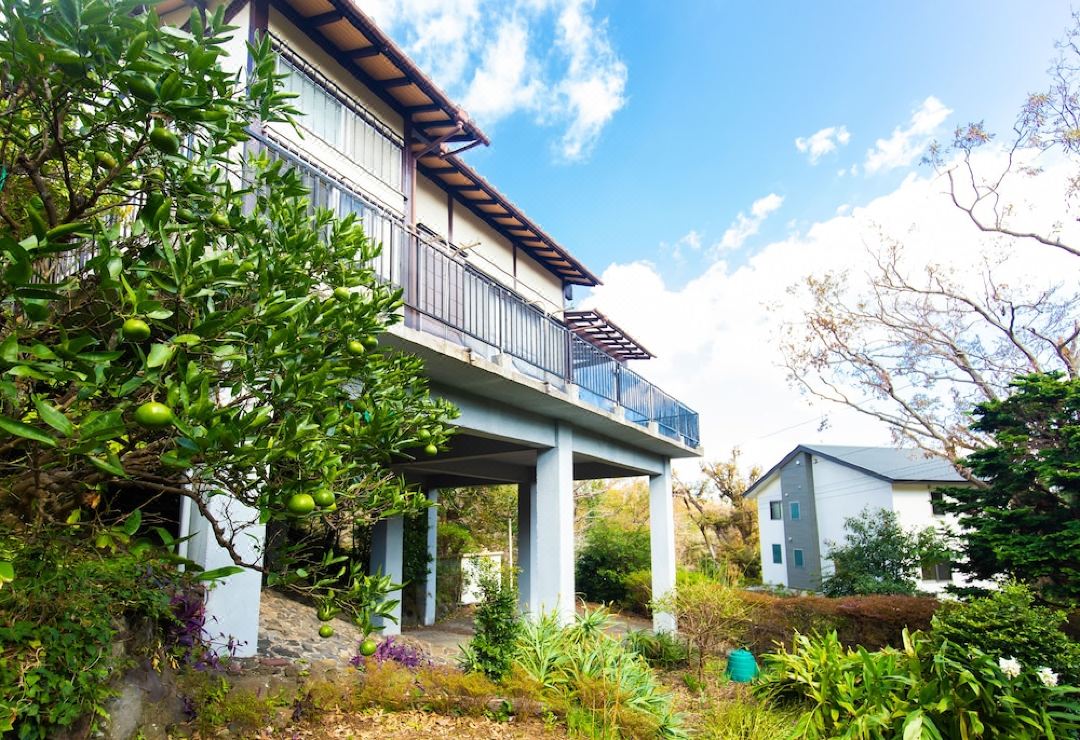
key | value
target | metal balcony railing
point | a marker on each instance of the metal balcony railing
(467, 305)
(460, 302)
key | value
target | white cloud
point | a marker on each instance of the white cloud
(907, 143)
(505, 81)
(745, 226)
(718, 353)
(551, 59)
(822, 142)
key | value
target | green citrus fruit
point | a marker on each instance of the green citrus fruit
(371, 341)
(136, 330)
(431, 450)
(342, 293)
(326, 631)
(423, 435)
(300, 504)
(106, 160)
(355, 347)
(368, 647)
(220, 220)
(153, 415)
(323, 498)
(164, 140)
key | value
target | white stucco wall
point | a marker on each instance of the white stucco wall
(315, 148)
(772, 533)
(494, 255)
(431, 210)
(536, 278)
(840, 493)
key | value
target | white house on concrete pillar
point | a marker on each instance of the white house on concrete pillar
(549, 393)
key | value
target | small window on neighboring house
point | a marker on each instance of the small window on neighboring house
(776, 510)
(797, 557)
(777, 554)
(937, 503)
(937, 571)
(795, 510)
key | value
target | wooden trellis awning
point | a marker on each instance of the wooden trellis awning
(603, 333)
(473, 191)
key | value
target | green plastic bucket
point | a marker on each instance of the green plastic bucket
(741, 666)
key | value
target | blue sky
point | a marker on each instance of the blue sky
(658, 142)
(717, 93)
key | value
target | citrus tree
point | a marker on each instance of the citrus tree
(176, 319)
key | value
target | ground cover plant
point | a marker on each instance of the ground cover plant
(73, 607)
(928, 689)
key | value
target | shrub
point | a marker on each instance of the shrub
(609, 553)
(1008, 624)
(878, 556)
(61, 618)
(872, 622)
(933, 689)
(660, 649)
(638, 587)
(710, 616)
(604, 689)
(498, 623)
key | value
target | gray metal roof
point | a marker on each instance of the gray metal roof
(891, 464)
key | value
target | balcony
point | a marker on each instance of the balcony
(446, 295)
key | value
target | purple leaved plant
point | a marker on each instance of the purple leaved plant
(401, 653)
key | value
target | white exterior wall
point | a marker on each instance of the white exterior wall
(431, 208)
(494, 255)
(314, 147)
(914, 510)
(839, 494)
(533, 279)
(772, 533)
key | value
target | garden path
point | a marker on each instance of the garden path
(289, 630)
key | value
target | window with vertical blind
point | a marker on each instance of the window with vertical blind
(342, 123)
(777, 554)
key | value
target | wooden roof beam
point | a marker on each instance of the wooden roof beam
(325, 19)
(366, 53)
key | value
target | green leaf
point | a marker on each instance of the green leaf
(9, 348)
(216, 573)
(54, 417)
(108, 465)
(7, 572)
(187, 339)
(19, 429)
(913, 726)
(160, 354)
(132, 522)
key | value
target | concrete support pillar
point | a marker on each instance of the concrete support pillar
(388, 558)
(232, 604)
(662, 541)
(433, 556)
(526, 545)
(551, 581)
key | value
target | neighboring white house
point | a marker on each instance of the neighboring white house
(804, 500)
